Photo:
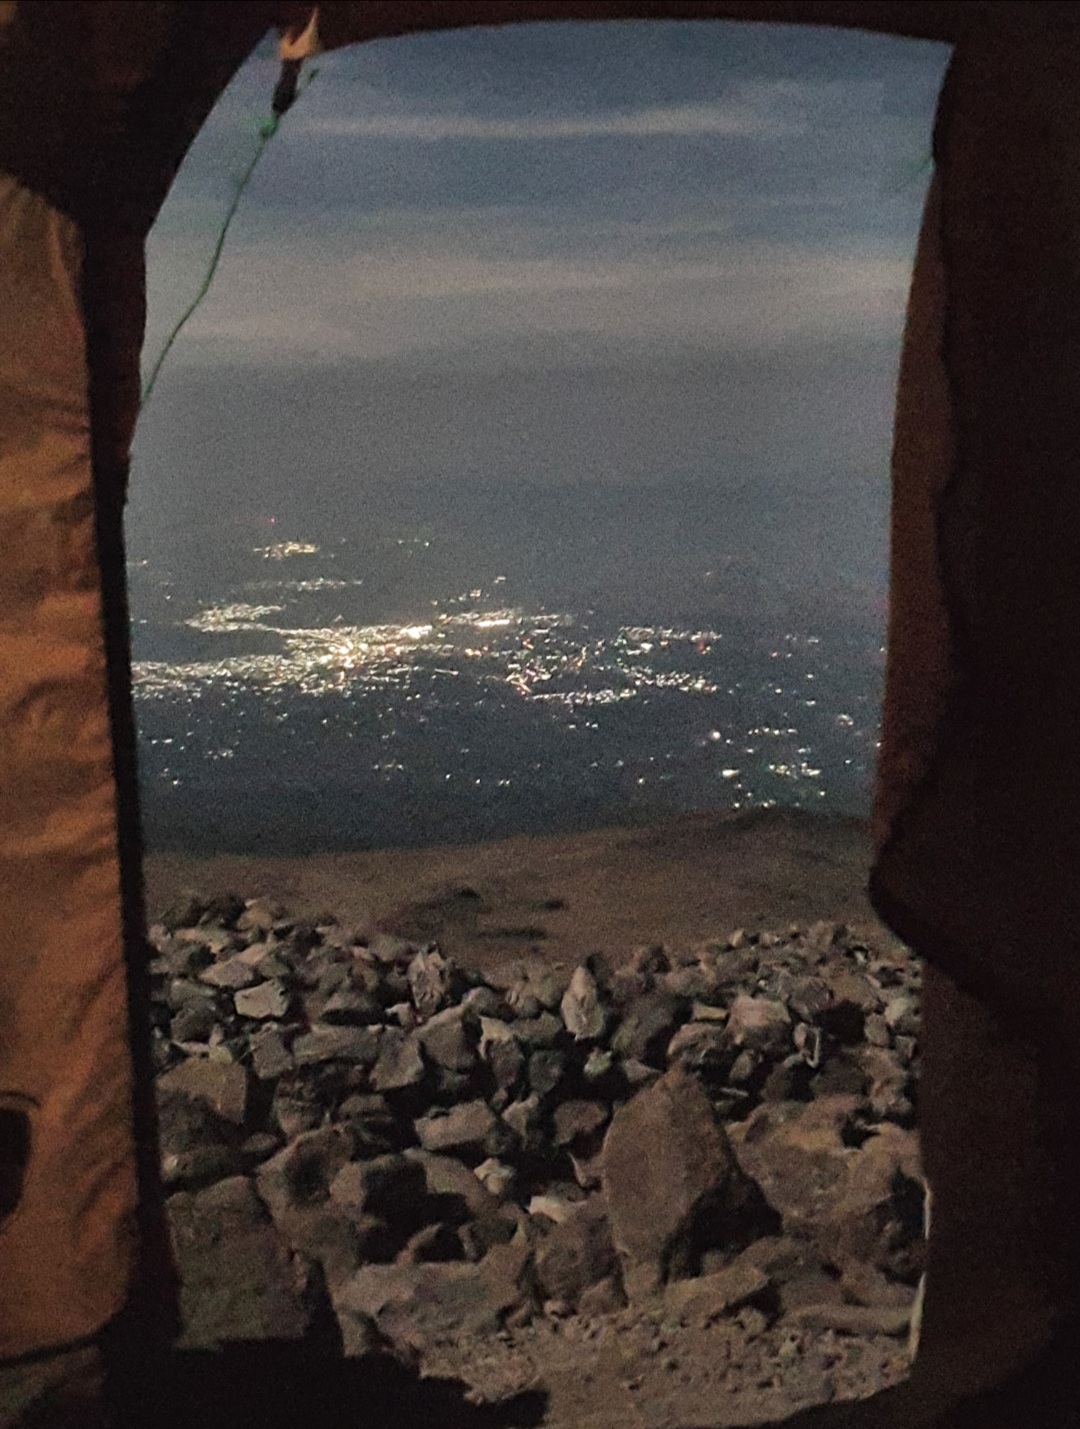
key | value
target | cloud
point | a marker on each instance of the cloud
(387, 296)
(732, 119)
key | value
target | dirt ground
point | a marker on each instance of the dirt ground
(678, 881)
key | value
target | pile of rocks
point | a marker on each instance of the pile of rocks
(348, 1117)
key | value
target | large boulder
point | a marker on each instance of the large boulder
(237, 1280)
(672, 1182)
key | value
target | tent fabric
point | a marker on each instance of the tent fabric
(978, 800)
(978, 816)
(66, 1249)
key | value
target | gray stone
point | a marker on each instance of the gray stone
(706, 1298)
(582, 1011)
(483, 1001)
(325, 1043)
(544, 1030)
(501, 1049)
(450, 1037)
(232, 974)
(576, 1254)
(390, 1187)
(523, 1118)
(464, 1130)
(270, 1058)
(417, 1307)
(259, 916)
(295, 1108)
(182, 993)
(389, 950)
(545, 1071)
(806, 996)
(236, 1275)
(578, 1124)
(430, 977)
(349, 1006)
(301, 1173)
(459, 1192)
(399, 1064)
(647, 1027)
(184, 912)
(194, 1023)
(760, 1024)
(222, 1086)
(268, 999)
(668, 1168)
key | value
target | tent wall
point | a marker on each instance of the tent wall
(98, 103)
(64, 1060)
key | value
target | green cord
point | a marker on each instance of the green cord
(267, 129)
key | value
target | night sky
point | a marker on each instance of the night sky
(636, 255)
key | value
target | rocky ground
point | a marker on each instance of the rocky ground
(676, 1186)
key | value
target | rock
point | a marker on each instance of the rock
(430, 980)
(181, 959)
(523, 1118)
(888, 1085)
(701, 1048)
(392, 1187)
(603, 1298)
(436, 1242)
(466, 1130)
(854, 1319)
(877, 1217)
(181, 994)
(232, 974)
(705, 1298)
(302, 1172)
(399, 1064)
(326, 1043)
(195, 1022)
(418, 1306)
(876, 1030)
(545, 1071)
(457, 1191)
(223, 908)
(449, 1038)
(296, 1107)
(866, 1285)
(501, 1049)
(185, 912)
(647, 1027)
(258, 1148)
(348, 1006)
(542, 1031)
(496, 1177)
(576, 1254)
(691, 984)
(222, 1086)
(582, 1011)
(236, 1276)
(760, 1024)
(268, 999)
(806, 996)
(797, 1153)
(270, 1058)
(259, 916)
(391, 951)
(483, 1001)
(578, 1123)
(668, 1168)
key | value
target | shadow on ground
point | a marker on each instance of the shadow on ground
(282, 1383)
